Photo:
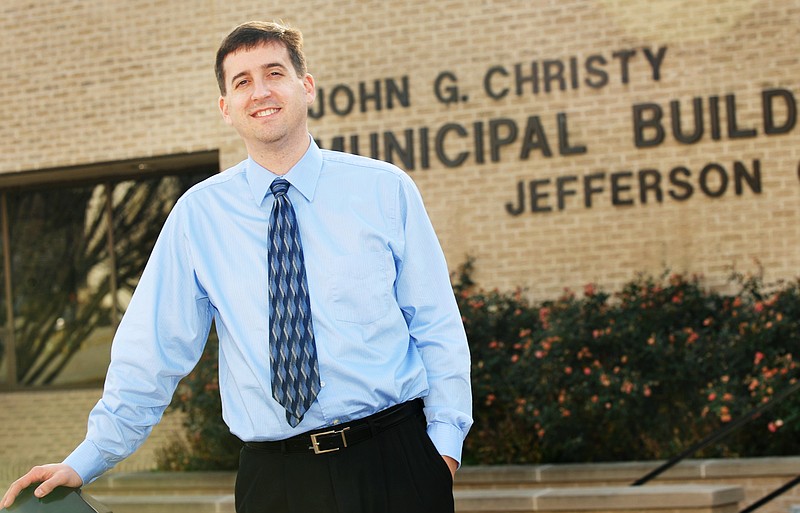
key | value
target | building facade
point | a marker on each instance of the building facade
(555, 142)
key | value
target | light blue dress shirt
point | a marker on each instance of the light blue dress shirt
(385, 319)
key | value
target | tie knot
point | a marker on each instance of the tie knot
(279, 187)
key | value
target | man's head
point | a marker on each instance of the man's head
(256, 33)
(265, 92)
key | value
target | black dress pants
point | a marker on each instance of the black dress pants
(397, 471)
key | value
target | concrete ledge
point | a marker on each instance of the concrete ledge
(497, 476)
(623, 473)
(496, 500)
(161, 483)
(571, 474)
(682, 498)
(694, 486)
(640, 498)
(658, 499)
(173, 504)
(750, 467)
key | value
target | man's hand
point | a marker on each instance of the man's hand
(452, 464)
(51, 477)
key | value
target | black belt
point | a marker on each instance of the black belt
(350, 433)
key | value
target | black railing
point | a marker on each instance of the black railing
(765, 499)
(722, 433)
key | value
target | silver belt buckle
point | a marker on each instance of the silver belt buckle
(315, 443)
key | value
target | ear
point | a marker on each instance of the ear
(223, 109)
(310, 87)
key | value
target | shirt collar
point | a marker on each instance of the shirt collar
(303, 176)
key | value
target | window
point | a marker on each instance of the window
(73, 253)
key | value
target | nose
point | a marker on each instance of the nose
(260, 90)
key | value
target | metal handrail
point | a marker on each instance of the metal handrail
(765, 499)
(721, 433)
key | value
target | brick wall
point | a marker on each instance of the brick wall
(45, 426)
(93, 81)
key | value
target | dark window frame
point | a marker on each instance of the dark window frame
(107, 174)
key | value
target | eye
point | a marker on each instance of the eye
(240, 83)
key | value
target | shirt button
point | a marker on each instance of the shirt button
(335, 422)
(322, 383)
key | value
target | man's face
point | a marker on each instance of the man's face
(265, 101)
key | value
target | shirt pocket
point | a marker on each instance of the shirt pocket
(360, 287)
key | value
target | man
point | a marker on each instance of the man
(329, 403)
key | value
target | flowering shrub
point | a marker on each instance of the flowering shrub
(639, 374)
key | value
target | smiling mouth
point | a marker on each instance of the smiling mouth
(264, 113)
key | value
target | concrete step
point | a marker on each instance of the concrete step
(674, 498)
(168, 503)
(164, 483)
(483, 477)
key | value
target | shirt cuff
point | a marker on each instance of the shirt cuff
(447, 439)
(87, 461)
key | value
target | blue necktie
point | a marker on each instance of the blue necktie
(293, 352)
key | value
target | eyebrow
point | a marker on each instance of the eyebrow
(263, 67)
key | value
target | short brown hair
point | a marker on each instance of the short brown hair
(256, 33)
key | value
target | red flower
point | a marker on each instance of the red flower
(544, 315)
(774, 426)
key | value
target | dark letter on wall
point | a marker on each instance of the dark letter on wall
(653, 122)
(770, 128)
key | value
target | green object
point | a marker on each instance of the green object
(60, 500)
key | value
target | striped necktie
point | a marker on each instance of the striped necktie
(293, 352)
